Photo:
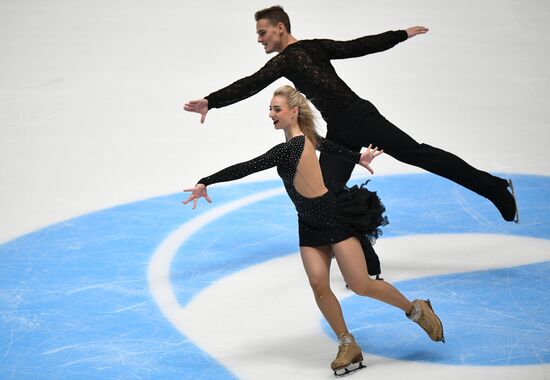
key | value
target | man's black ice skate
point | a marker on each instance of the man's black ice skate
(516, 215)
(504, 198)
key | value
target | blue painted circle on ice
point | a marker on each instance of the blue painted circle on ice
(492, 318)
(74, 299)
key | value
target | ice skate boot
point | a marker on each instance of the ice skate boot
(349, 358)
(423, 314)
(513, 191)
(504, 198)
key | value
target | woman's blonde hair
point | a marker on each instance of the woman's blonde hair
(306, 119)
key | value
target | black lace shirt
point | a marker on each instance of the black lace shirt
(306, 63)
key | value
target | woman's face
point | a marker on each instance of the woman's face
(281, 114)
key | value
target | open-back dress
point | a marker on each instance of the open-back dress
(324, 218)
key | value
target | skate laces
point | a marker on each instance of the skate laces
(343, 349)
(423, 314)
(426, 325)
(418, 316)
(416, 312)
(346, 340)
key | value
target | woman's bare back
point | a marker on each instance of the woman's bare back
(308, 179)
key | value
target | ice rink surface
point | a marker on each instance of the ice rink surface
(105, 275)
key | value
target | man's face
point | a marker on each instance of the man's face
(269, 35)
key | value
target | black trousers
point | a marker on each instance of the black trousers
(360, 124)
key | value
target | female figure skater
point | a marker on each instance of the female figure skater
(328, 224)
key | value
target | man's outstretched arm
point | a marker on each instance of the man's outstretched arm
(240, 89)
(369, 44)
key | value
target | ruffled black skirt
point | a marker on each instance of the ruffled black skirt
(331, 218)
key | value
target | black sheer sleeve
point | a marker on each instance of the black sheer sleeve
(337, 151)
(248, 86)
(364, 45)
(271, 158)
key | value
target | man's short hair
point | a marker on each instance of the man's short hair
(275, 15)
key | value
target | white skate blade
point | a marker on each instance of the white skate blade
(511, 186)
(340, 372)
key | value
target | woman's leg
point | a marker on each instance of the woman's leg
(316, 262)
(351, 261)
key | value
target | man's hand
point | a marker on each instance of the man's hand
(367, 156)
(414, 30)
(198, 106)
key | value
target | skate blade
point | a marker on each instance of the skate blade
(511, 186)
(341, 372)
(442, 333)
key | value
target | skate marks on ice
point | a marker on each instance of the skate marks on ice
(497, 317)
(75, 301)
(158, 273)
(75, 296)
(274, 327)
(237, 309)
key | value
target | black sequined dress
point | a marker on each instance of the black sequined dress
(322, 220)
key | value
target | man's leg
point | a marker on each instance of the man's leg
(336, 174)
(378, 131)
(373, 262)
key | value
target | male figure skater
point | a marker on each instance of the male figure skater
(351, 121)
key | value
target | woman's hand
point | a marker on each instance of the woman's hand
(197, 192)
(368, 155)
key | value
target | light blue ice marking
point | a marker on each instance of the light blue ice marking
(508, 321)
(74, 301)
(494, 318)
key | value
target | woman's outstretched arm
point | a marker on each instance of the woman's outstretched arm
(269, 159)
